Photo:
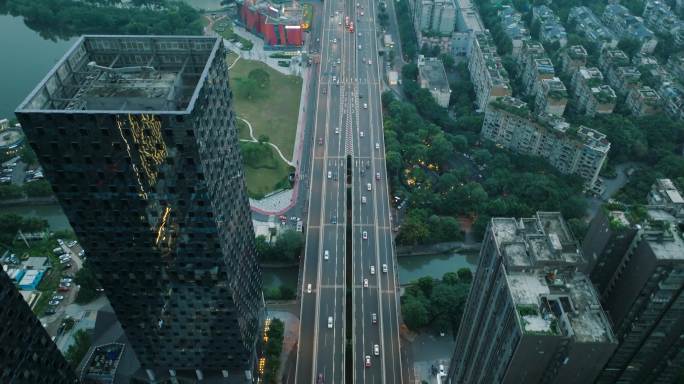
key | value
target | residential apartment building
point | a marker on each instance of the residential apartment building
(643, 101)
(591, 95)
(612, 58)
(573, 58)
(551, 98)
(514, 27)
(538, 70)
(587, 24)
(468, 23)
(432, 76)
(624, 79)
(490, 79)
(435, 17)
(628, 26)
(660, 18)
(551, 29)
(136, 134)
(673, 99)
(27, 354)
(665, 195)
(636, 259)
(675, 65)
(530, 317)
(571, 150)
(530, 50)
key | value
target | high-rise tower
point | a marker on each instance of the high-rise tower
(136, 136)
(531, 317)
(636, 257)
(27, 355)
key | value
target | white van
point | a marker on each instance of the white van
(330, 322)
(326, 255)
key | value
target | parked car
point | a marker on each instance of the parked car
(58, 297)
(66, 280)
(53, 302)
(72, 243)
(63, 289)
(50, 311)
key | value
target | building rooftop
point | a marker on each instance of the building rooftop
(554, 88)
(543, 240)
(432, 72)
(615, 57)
(126, 73)
(604, 93)
(591, 73)
(544, 66)
(551, 298)
(664, 234)
(577, 52)
(593, 138)
(470, 16)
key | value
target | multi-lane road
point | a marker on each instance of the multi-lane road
(348, 140)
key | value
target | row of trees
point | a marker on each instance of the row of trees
(39, 188)
(11, 223)
(407, 33)
(287, 247)
(436, 304)
(63, 19)
(88, 284)
(272, 349)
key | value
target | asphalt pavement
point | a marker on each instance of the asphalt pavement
(348, 122)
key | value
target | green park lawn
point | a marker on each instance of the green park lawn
(275, 110)
(265, 171)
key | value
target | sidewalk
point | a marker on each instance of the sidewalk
(275, 204)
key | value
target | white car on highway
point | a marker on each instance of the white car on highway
(372, 269)
(364, 235)
(377, 145)
(337, 130)
(384, 268)
(329, 175)
(365, 106)
(369, 187)
(326, 255)
(365, 283)
(376, 350)
(363, 199)
(308, 288)
(330, 321)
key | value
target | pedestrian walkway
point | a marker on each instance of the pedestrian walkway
(274, 204)
(254, 140)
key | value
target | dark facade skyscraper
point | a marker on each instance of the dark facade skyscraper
(637, 265)
(531, 317)
(137, 138)
(27, 355)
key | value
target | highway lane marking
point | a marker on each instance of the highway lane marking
(324, 52)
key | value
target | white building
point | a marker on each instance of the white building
(490, 79)
(571, 150)
(435, 17)
(432, 76)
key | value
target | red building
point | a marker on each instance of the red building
(278, 27)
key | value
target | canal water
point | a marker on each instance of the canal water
(412, 268)
(52, 213)
(276, 277)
